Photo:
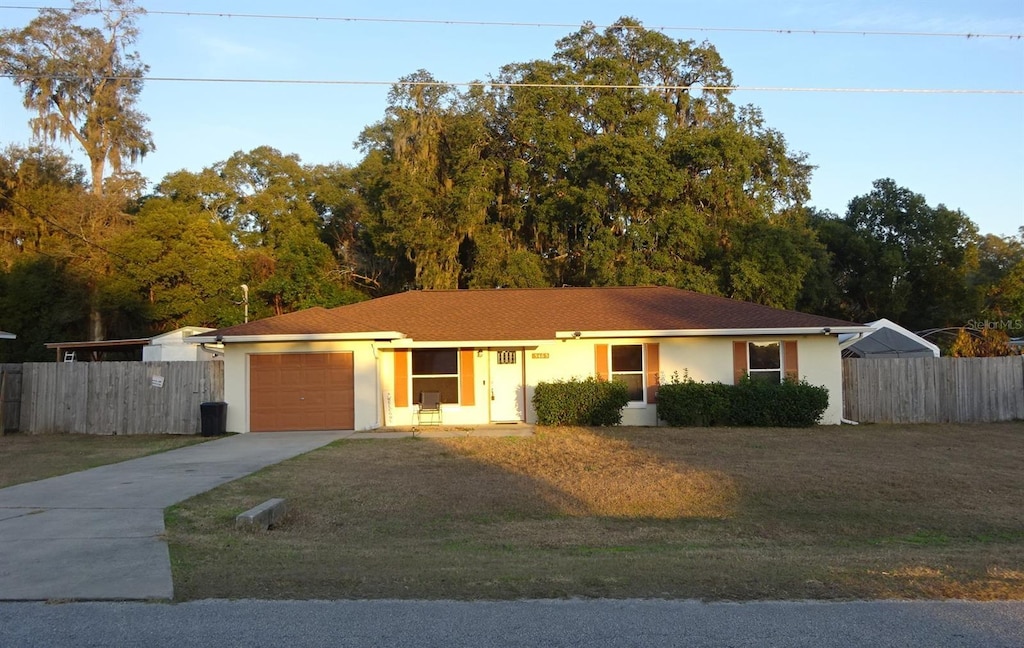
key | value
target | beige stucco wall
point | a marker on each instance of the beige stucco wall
(461, 414)
(703, 359)
(236, 378)
(821, 364)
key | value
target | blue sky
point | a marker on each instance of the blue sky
(965, 151)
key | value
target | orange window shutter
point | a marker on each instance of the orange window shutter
(467, 384)
(601, 361)
(653, 371)
(739, 361)
(401, 378)
(789, 360)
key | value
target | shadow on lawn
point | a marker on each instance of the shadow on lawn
(582, 473)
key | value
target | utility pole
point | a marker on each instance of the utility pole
(245, 301)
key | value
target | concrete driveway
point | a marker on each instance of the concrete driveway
(98, 534)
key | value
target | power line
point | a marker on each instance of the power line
(492, 23)
(573, 86)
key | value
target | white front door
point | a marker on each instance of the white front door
(508, 398)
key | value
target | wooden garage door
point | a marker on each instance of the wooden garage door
(301, 391)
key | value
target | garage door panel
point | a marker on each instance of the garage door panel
(301, 391)
(295, 421)
(314, 399)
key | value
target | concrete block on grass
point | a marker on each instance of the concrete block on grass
(263, 516)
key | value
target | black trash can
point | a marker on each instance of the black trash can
(214, 418)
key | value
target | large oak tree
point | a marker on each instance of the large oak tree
(82, 81)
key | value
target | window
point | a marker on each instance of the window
(628, 367)
(436, 370)
(506, 357)
(764, 361)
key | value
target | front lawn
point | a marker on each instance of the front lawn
(28, 457)
(851, 512)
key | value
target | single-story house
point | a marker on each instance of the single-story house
(366, 365)
(887, 339)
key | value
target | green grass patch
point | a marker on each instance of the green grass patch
(25, 458)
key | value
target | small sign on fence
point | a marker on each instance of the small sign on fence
(158, 381)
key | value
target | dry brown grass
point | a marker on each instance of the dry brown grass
(584, 474)
(866, 512)
(25, 458)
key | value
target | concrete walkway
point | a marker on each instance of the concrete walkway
(98, 534)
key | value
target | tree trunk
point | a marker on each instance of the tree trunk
(96, 332)
(96, 167)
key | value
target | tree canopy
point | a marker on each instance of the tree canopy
(620, 160)
(81, 80)
(551, 177)
(895, 256)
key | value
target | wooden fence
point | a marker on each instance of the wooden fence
(933, 390)
(10, 397)
(117, 397)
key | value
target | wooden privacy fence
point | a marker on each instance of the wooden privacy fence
(933, 390)
(10, 397)
(118, 397)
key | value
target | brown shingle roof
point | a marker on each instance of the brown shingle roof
(309, 321)
(533, 314)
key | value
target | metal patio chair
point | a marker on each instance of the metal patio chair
(430, 408)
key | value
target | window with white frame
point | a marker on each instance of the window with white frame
(436, 370)
(764, 361)
(627, 366)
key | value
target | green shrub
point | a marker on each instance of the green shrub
(689, 403)
(800, 404)
(580, 402)
(755, 403)
(752, 403)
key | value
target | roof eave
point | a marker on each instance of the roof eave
(297, 337)
(411, 343)
(733, 332)
(97, 343)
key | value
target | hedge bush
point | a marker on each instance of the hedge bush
(755, 403)
(693, 404)
(580, 402)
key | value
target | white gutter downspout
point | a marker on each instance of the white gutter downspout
(379, 397)
(215, 351)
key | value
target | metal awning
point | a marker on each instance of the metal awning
(97, 349)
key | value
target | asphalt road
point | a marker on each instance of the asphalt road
(555, 624)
